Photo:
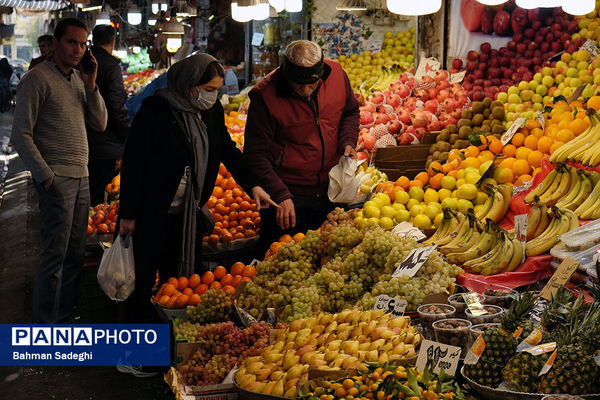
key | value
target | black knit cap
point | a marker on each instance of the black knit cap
(302, 75)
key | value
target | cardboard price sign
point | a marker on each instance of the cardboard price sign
(427, 66)
(374, 46)
(391, 305)
(510, 132)
(437, 356)
(414, 261)
(457, 78)
(591, 47)
(559, 278)
(406, 229)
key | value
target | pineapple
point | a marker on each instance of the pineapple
(500, 344)
(521, 371)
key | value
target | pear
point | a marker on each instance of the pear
(372, 355)
(377, 344)
(291, 336)
(377, 314)
(365, 316)
(289, 361)
(331, 355)
(318, 329)
(370, 327)
(387, 347)
(282, 334)
(362, 355)
(341, 316)
(296, 325)
(262, 374)
(348, 361)
(272, 357)
(304, 349)
(321, 339)
(353, 317)
(295, 371)
(278, 388)
(417, 339)
(290, 383)
(259, 387)
(268, 389)
(334, 345)
(344, 335)
(399, 322)
(309, 323)
(253, 367)
(364, 346)
(316, 363)
(350, 346)
(356, 332)
(313, 338)
(357, 365)
(398, 349)
(362, 339)
(253, 359)
(325, 318)
(245, 380)
(343, 326)
(306, 358)
(411, 353)
(302, 338)
(278, 346)
(331, 327)
(339, 361)
(277, 375)
(383, 358)
(289, 346)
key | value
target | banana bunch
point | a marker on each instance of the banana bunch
(590, 207)
(456, 231)
(585, 148)
(564, 186)
(386, 77)
(493, 251)
(537, 220)
(563, 221)
(497, 204)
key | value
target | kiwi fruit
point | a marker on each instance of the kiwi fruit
(451, 128)
(477, 119)
(487, 102)
(486, 113)
(495, 122)
(477, 107)
(445, 146)
(464, 132)
(466, 114)
(498, 113)
(486, 129)
(495, 104)
(462, 144)
(464, 122)
(432, 148)
(453, 138)
(497, 130)
(443, 137)
(436, 155)
(486, 122)
(444, 157)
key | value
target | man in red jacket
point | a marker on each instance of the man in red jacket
(303, 116)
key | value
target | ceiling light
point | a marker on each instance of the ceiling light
(410, 7)
(134, 15)
(103, 18)
(241, 10)
(91, 8)
(294, 5)
(173, 44)
(492, 2)
(278, 5)
(351, 5)
(172, 27)
(261, 11)
(159, 6)
(580, 7)
(529, 4)
(152, 20)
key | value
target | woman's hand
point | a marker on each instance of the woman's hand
(262, 198)
(126, 227)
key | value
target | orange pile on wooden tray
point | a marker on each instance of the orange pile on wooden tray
(184, 291)
(232, 209)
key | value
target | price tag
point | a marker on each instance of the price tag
(257, 38)
(391, 305)
(597, 359)
(374, 46)
(541, 349)
(548, 364)
(457, 78)
(539, 117)
(427, 66)
(407, 230)
(413, 262)
(590, 46)
(559, 278)
(510, 132)
(533, 339)
(521, 231)
(435, 356)
(472, 302)
(475, 351)
(245, 317)
(524, 187)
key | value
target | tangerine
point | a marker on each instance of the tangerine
(183, 283)
(521, 167)
(237, 268)
(171, 302)
(423, 177)
(578, 125)
(565, 135)
(403, 182)
(544, 144)
(298, 237)
(522, 179)
(535, 158)
(249, 271)
(246, 279)
(555, 146)
(182, 301)
(531, 142)
(522, 153)
(416, 182)
(471, 151)
(208, 278)
(518, 139)
(436, 181)
(227, 279)
(201, 288)
(508, 162)
(164, 300)
(219, 272)
(229, 289)
(215, 285)
(472, 162)
(195, 299)
(188, 291)
(218, 192)
(495, 146)
(594, 102)
(532, 124)
(236, 280)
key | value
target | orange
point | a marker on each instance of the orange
(164, 299)
(436, 180)
(434, 168)
(201, 288)
(508, 162)
(173, 281)
(219, 272)
(249, 272)
(454, 154)
(215, 285)
(523, 153)
(495, 146)
(236, 280)
(227, 279)
(532, 124)
(183, 283)
(208, 278)
(535, 158)
(594, 102)
(182, 301)
(188, 291)
(531, 142)
(218, 192)
(521, 167)
(564, 135)
(194, 281)
(522, 179)
(403, 182)
(285, 238)
(275, 246)
(229, 289)
(195, 299)
(471, 151)
(485, 155)
(470, 162)
(246, 279)
(504, 175)
(555, 146)
(537, 132)
(237, 268)
(298, 237)
(416, 183)
(423, 177)
(509, 150)
(544, 144)
(169, 289)
(518, 139)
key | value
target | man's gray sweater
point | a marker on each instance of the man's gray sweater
(49, 125)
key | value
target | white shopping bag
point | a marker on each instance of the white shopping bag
(343, 184)
(116, 274)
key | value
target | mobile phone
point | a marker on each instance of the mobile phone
(86, 63)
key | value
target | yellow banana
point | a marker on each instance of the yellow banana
(501, 260)
(580, 195)
(563, 151)
(481, 247)
(555, 184)
(454, 230)
(552, 236)
(443, 228)
(544, 221)
(568, 179)
(542, 187)
(591, 199)
(502, 196)
(476, 264)
(573, 220)
(485, 208)
(516, 258)
(533, 220)
(578, 153)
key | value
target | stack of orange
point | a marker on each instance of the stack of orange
(236, 123)
(232, 209)
(275, 246)
(114, 187)
(102, 218)
(184, 291)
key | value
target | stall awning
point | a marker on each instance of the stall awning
(48, 5)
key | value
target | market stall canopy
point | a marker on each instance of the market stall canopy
(48, 5)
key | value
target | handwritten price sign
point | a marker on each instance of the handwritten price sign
(414, 261)
(391, 305)
(437, 356)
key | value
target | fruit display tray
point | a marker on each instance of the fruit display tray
(488, 393)
(249, 395)
(169, 314)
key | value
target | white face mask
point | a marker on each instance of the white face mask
(205, 99)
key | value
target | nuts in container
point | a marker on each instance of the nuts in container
(499, 297)
(493, 314)
(453, 331)
(429, 313)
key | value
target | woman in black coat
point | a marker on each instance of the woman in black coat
(177, 141)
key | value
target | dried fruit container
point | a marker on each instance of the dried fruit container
(429, 313)
(494, 314)
(453, 331)
(499, 297)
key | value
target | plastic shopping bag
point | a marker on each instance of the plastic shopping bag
(343, 185)
(116, 274)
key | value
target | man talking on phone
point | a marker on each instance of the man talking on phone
(54, 104)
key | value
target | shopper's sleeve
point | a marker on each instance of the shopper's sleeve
(96, 116)
(349, 123)
(232, 156)
(134, 163)
(259, 133)
(116, 97)
(31, 94)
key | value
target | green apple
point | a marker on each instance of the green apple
(537, 77)
(388, 211)
(411, 203)
(386, 222)
(398, 206)
(385, 199)
(502, 97)
(523, 85)
(513, 90)
(416, 192)
(450, 203)
(402, 215)
(431, 195)
(437, 221)
(431, 212)
(444, 194)
(514, 99)
(472, 178)
(448, 182)
(417, 209)
(534, 83)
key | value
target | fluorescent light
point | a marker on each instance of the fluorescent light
(261, 12)
(120, 53)
(136, 49)
(134, 15)
(410, 7)
(294, 5)
(103, 18)
(91, 8)
(152, 20)
(351, 5)
(579, 7)
(529, 4)
(240, 13)
(492, 2)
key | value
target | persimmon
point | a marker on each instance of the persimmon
(227, 279)
(194, 280)
(249, 271)
(219, 272)
(188, 291)
(215, 285)
(237, 268)
(236, 280)
(174, 282)
(229, 289)
(182, 301)
(201, 288)
(208, 277)
(183, 283)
